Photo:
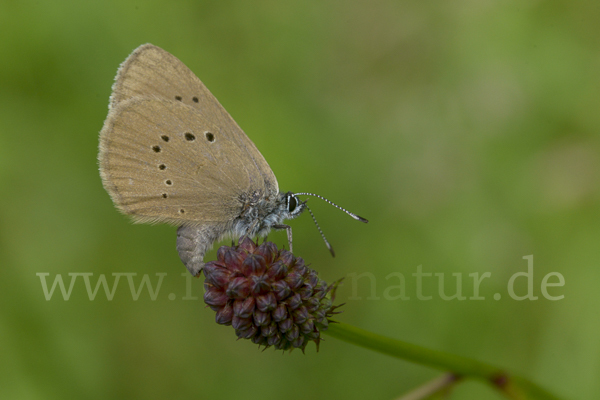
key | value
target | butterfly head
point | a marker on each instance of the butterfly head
(293, 206)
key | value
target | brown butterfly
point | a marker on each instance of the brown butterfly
(169, 152)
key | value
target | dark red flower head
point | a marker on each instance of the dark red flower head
(268, 295)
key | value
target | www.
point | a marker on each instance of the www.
(66, 294)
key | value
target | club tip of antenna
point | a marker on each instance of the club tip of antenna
(361, 219)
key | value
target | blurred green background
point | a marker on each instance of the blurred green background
(465, 131)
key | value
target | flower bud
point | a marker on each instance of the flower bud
(268, 296)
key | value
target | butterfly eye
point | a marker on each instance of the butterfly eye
(292, 203)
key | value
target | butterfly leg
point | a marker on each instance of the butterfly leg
(289, 233)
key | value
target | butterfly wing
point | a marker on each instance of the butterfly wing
(155, 96)
(153, 72)
(164, 161)
(169, 152)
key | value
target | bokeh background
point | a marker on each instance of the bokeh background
(465, 131)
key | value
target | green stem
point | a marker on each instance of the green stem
(438, 386)
(512, 386)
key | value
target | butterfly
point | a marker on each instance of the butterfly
(169, 152)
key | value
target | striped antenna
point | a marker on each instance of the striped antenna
(321, 232)
(356, 217)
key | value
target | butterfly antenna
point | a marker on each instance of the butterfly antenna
(356, 217)
(321, 232)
